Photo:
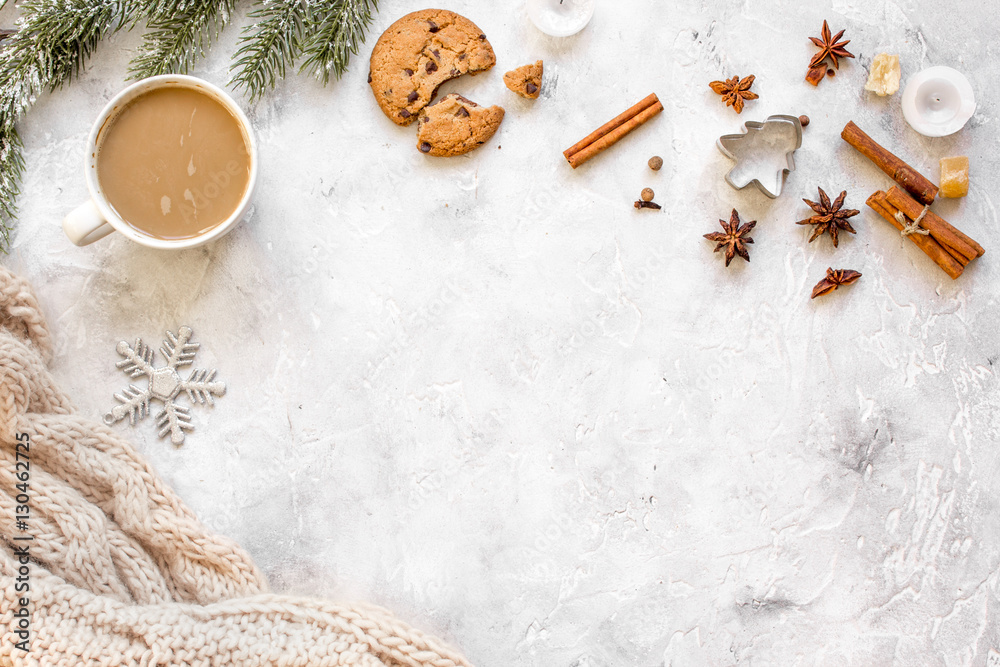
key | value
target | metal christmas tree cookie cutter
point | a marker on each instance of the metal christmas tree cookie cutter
(763, 153)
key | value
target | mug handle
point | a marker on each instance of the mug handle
(85, 224)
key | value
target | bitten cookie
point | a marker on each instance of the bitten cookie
(454, 125)
(526, 81)
(418, 53)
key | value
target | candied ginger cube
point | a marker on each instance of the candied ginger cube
(954, 177)
(884, 76)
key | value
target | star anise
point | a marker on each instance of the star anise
(833, 280)
(735, 238)
(734, 91)
(831, 217)
(829, 47)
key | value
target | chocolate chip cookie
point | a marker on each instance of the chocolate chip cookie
(454, 125)
(526, 81)
(418, 53)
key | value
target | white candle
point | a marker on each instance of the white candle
(938, 101)
(560, 18)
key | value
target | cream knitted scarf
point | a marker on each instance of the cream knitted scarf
(119, 571)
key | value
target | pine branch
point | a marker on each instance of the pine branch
(269, 46)
(54, 39)
(179, 33)
(335, 32)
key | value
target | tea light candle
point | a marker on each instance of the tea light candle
(560, 18)
(938, 101)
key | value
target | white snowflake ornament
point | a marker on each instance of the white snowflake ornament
(165, 384)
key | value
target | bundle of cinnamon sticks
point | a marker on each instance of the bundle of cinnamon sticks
(909, 211)
(947, 246)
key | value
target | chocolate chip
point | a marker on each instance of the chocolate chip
(404, 114)
(454, 72)
(412, 97)
(531, 88)
(434, 26)
(409, 72)
(369, 77)
(482, 36)
(431, 66)
(425, 147)
(462, 112)
(461, 56)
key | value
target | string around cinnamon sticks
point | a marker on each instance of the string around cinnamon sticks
(957, 244)
(611, 132)
(948, 247)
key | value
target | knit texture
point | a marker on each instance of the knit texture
(122, 572)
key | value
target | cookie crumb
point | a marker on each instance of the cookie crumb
(526, 80)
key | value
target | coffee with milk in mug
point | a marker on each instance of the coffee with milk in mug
(173, 163)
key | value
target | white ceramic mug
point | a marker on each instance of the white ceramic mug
(96, 218)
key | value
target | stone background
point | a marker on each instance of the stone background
(489, 394)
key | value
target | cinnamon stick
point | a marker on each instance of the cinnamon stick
(609, 133)
(908, 177)
(952, 239)
(878, 203)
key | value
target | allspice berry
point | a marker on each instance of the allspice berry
(803, 120)
(655, 162)
(647, 194)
